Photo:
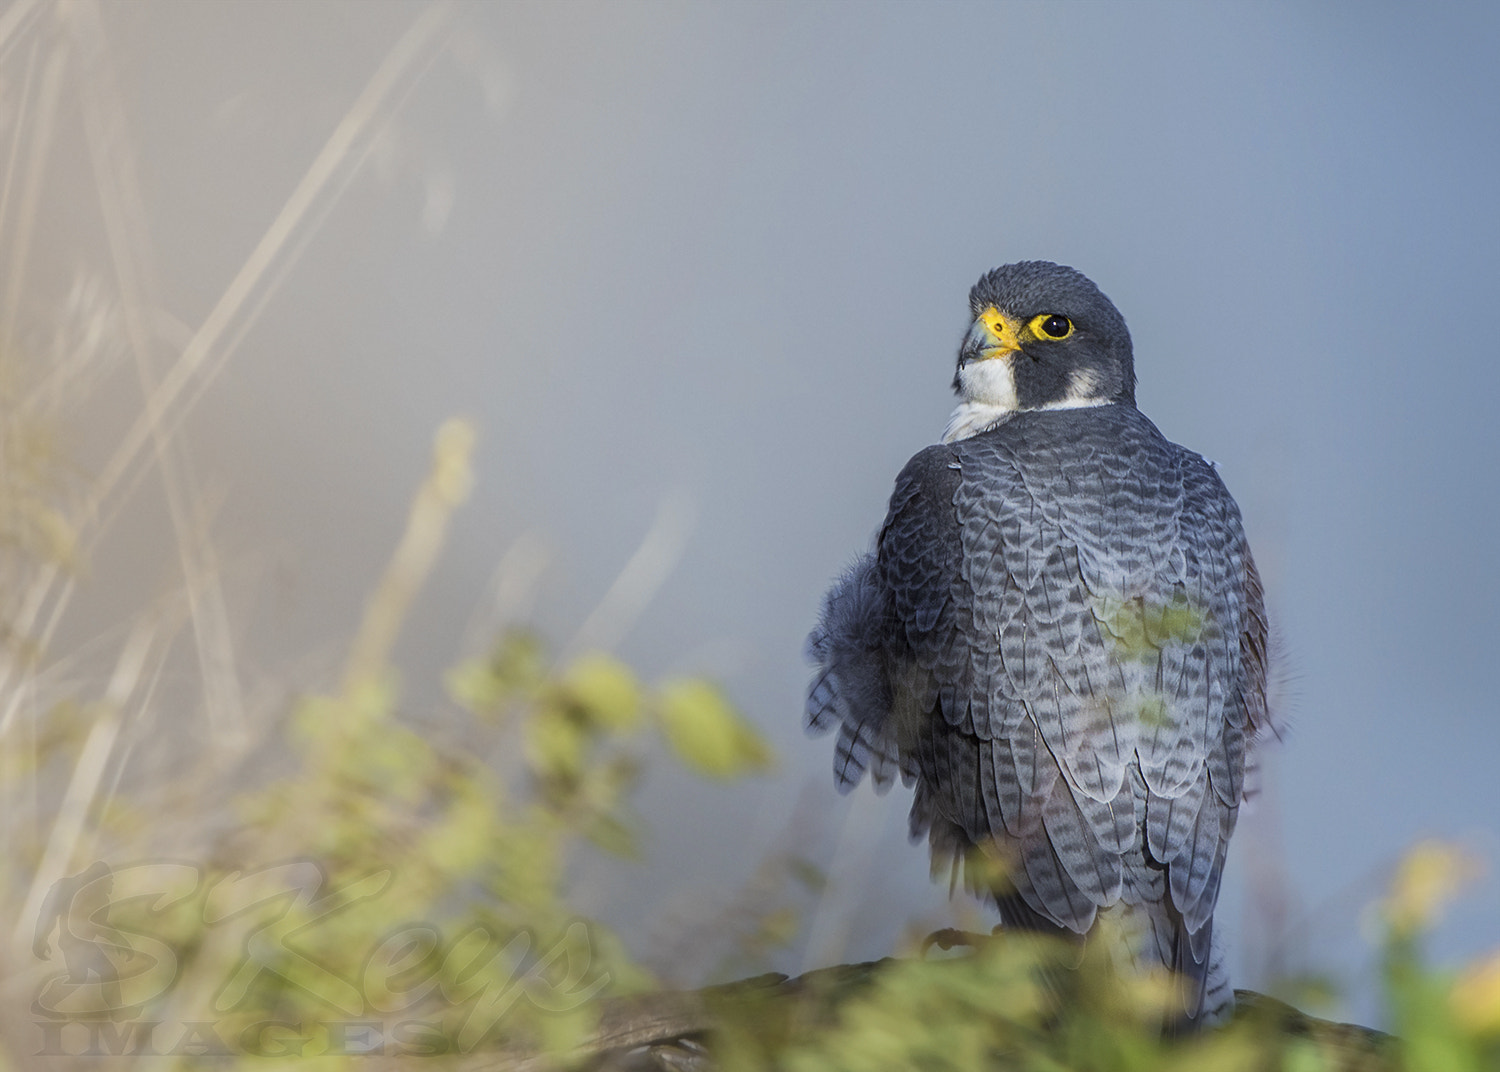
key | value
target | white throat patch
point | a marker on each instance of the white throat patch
(971, 418)
(988, 389)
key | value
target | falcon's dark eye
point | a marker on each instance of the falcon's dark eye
(1053, 326)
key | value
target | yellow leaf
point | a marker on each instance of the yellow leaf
(474, 686)
(1428, 878)
(554, 745)
(708, 734)
(1476, 996)
(605, 689)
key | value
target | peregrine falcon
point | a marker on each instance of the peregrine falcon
(1060, 638)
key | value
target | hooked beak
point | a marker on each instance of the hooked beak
(993, 335)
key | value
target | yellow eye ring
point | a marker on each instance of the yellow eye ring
(1050, 326)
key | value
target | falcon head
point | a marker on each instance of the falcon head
(1043, 337)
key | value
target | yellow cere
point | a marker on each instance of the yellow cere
(1003, 329)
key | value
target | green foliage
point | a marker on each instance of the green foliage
(1021, 1004)
(1445, 1022)
(383, 878)
(400, 830)
(1140, 629)
(1016, 1002)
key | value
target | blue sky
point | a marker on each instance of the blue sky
(717, 256)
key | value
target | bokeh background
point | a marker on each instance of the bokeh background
(698, 273)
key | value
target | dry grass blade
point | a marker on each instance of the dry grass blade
(13, 157)
(146, 644)
(14, 20)
(410, 54)
(640, 580)
(47, 590)
(62, 49)
(446, 487)
(131, 248)
(37, 151)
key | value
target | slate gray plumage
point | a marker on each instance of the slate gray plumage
(1060, 637)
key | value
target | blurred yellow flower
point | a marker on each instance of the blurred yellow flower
(1428, 878)
(1475, 996)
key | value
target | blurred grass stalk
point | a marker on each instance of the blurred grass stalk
(58, 53)
(62, 754)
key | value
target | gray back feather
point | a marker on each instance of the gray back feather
(1061, 637)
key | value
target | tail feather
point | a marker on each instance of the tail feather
(851, 690)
